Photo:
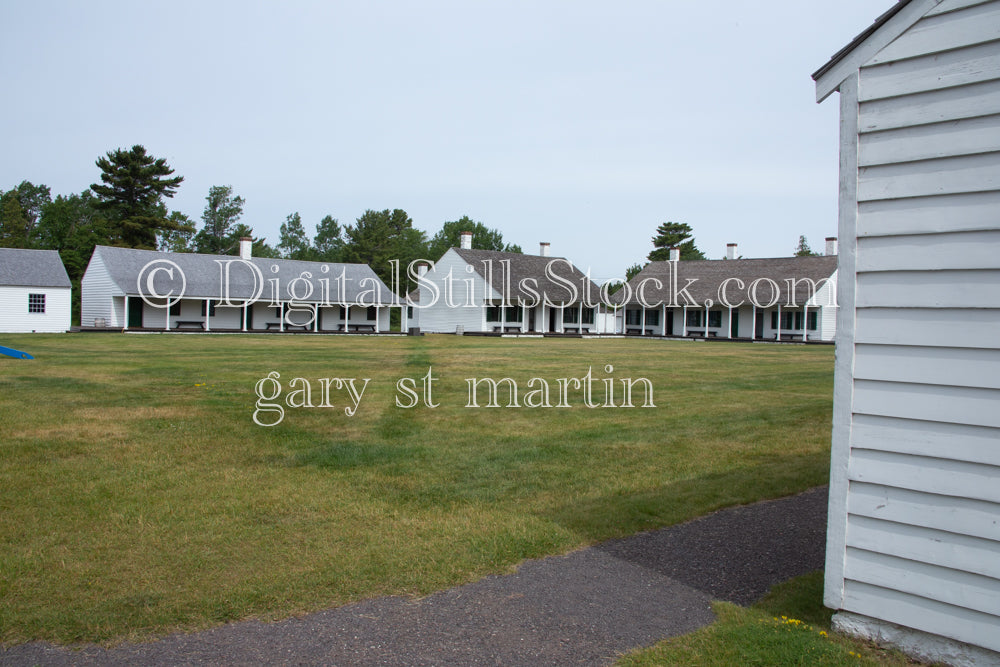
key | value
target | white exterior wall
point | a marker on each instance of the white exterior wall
(437, 316)
(15, 318)
(97, 292)
(914, 532)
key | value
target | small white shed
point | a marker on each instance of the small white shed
(35, 292)
(913, 545)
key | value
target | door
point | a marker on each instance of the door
(734, 328)
(531, 319)
(669, 331)
(134, 313)
(758, 325)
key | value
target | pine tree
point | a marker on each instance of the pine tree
(674, 235)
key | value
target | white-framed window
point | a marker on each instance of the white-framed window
(36, 303)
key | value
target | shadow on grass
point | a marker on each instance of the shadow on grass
(609, 516)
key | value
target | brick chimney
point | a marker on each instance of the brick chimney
(730, 251)
(246, 247)
(543, 248)
(467, 240)
(831, 245)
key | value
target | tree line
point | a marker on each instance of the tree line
(127, 208)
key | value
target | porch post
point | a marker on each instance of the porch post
(730, 335)
(244, 313)
(316, 316)
(347, 317)
(208, 315)
(778, 335)
(642, 322)
(281, 322)
(377, 313)
(753, 323)
(805, 320)
(706, 320)
(124, 314)
(684, 318)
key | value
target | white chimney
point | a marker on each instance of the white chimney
(246, 247)
(675, 254)
(730, 251)
(467, 240)
(421, 269)
(831, 245)
(543, 248)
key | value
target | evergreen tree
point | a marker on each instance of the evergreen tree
(674, 235)
(222, 211)
(130, 195)
(803, 249)
(381, 236)
(20, 210)
(483, 238)
(292, 240)
(328, 244)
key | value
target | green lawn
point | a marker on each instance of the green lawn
(138, 496)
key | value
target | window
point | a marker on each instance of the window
(492, 313)
(278, 312)
(175, 309)
(513, 313)
(653, 318)
(569, 315)
(36, 303)
(409, 312)
(211, 308)
(372, 313)
(694, 318)
(812, 321)
(715, 318)
(588, 316)
(788, 320)
(633, 317)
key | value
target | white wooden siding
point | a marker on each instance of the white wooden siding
(96, 295)
(442, 318)
(15, 318)
(914, 537)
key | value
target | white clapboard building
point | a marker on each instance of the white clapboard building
(913, 546)
(125, 288)
(779, 299)
(35, 292)
(486, 291)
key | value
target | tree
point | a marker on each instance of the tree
(222, 211)
(133, 186)
(177, 240)
(381, 236)
(674, 235)
(483, 238)
(803, 249)
(73, 226)
(328, 245)
(632, 271)
(20, 210)
(259, 246)
(292, 240)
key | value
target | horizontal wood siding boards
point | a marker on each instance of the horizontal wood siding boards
(976, 518)
(918, 473)
(959, 405)
(96, 294)
(929, 327)
(954, 587)
(976, 444)
(934, 289)
(930, 252)
(938, 32)
(927, 142)
(925, 545)
(936, 106)
(953, 366)
(931, 72)
(955, 5)
(938, 618)
(439, 316)
(929, 215)
(973, 173)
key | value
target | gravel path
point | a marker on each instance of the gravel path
(584, 608)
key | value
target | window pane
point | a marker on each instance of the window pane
(36, 303)
(812, 320)
(588, 315)
(694, 318)
(653, 318)
(715, 318)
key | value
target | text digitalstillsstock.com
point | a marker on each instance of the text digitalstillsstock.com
(568, 392)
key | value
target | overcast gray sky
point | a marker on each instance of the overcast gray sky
(581, 123)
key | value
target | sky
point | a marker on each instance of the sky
(584, 124)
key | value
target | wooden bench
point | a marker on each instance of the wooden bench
(571, 330)
(194, 324)
(789, 336)
(361, 327)
(632, 331)
(710, 334)
(273, 325)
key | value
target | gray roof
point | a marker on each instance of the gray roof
(868, 32)
(204, 276)
(32, 268)
(709, 276)
(530, 267)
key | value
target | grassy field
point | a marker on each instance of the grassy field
(138, 496)
(789, 626)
